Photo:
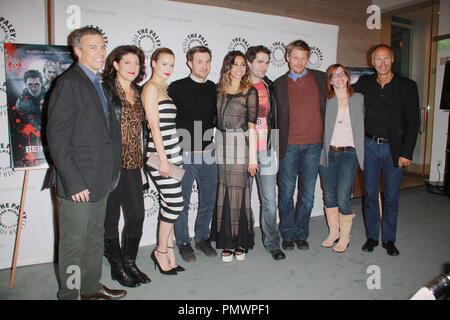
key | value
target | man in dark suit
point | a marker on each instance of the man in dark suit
(301, 97)
(85, 146)
(391, 126)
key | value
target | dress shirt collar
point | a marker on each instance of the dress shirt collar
(92, 76)
(295, 76)
(196, 79)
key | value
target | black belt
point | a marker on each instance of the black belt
(378, 140)
(340, 149)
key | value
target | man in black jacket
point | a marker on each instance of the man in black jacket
(258, 58)
(391, 127)
(85, 146)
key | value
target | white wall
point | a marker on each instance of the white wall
(440, 125)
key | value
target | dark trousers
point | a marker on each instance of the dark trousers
(377, 158)
(81, 226)
(130, 195)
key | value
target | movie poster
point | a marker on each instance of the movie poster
(30, 70)
(356, 72)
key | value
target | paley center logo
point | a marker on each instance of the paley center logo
(277, 58)
(193, 40)
(239, 44)
(7, 32)
(151, 202)
(315, 58)
(193, 205)
(3, 107)
(5, 169)
(9, 218)
(105, 37)
(147, 40)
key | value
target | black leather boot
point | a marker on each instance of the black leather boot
(112, 253)
(129, 253)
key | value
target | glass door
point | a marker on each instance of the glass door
(411, 37)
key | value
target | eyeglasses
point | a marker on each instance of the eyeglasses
(338, 75)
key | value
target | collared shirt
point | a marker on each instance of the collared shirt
(378, 105)
(196, 79)
(295, 76)
(95, 77)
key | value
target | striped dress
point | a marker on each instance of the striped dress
(171, 199)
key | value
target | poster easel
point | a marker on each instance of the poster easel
(19, 229)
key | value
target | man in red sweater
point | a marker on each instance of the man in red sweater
(301, 97)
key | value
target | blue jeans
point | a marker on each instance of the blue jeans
(302, 160)
(378, 157)
(266, 178)
(206, 176)
(337, 179)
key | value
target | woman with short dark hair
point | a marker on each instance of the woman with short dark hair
(124, 69)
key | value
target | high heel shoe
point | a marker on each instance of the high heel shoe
(156, 262)
(178, 268)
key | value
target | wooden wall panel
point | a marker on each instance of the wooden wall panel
(355, 38)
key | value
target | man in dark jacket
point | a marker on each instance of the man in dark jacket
(258, 58)
(301, 96)
(85, 146)
(391, 127)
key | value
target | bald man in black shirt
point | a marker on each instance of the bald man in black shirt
(391, 127)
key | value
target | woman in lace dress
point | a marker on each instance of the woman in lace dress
(237, 112)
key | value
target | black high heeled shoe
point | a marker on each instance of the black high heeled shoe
(156, 262)
(178, 268)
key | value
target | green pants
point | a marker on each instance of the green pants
(81, 231)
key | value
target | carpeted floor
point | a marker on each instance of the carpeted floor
(423, 239)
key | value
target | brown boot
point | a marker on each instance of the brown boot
(345, 225)
(332, 215)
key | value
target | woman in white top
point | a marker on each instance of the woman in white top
(343, 149)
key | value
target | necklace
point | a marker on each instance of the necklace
(341, 115)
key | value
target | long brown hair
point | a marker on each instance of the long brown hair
(330, 71)
(225, 79)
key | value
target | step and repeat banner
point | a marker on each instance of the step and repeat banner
(148, 25)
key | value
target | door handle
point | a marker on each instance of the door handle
(423, 114)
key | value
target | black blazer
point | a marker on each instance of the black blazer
(85, 153)
(404, 118)
(272, 116)
(282, 98)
